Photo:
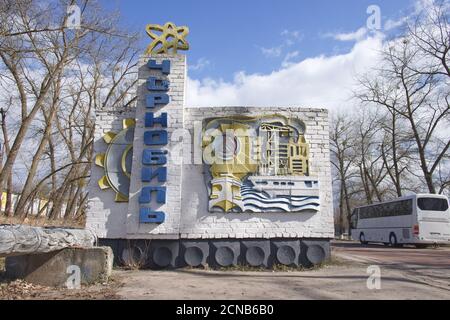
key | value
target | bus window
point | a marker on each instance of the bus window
(432, 204)
(394, 209)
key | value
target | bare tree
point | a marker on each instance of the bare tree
(343, 160)
(430, 33)
(369, 160)
(61, 76)
(414, 87)
(396, 148)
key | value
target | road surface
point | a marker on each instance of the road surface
(404, 257)
(406, 273)
(431, 265)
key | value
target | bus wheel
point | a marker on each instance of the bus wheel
(362, 239)
(393, 240)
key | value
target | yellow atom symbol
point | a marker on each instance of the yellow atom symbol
(172, 37)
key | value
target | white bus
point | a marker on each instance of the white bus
(422, 219)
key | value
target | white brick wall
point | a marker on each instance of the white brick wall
(104, 216)
(197, 222)
(172, 209)
(186, 210)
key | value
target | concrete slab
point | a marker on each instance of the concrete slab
(63, 268)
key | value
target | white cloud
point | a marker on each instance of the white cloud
(351, 36)
(321, 81)
(289, 39)
(272, 52)
(287, 62)
(201, 64)
(295, 34)
(419, 7)
(393, 24)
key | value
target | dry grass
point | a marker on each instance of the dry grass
(42, 222)
(135, 260)
(2, 271)
(21, 290)
(282, 268)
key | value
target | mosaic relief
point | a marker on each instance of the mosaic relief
(117, 161)
(258, 165)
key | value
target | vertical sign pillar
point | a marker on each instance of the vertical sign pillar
(155, 192)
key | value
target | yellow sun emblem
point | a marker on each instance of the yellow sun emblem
(117, 161)
(172, 37)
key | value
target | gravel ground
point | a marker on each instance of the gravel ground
(21, 290)
(342, 281)
(345, 278)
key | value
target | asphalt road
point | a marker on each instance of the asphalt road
(406, 273)
(404, 257)
(430, 266)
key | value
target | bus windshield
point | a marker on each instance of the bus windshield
(432, 204)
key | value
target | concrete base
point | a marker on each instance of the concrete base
(55, 269)
(263, 253)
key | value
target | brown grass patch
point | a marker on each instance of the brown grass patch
(43, 222)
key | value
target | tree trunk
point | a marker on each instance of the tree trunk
(365, 185)
(51, 147)
(28, 187)
(341, 208)
(374, 185)
(397, 181)
(5, 152)
(347, 205)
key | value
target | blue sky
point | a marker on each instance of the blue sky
(256, 36)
